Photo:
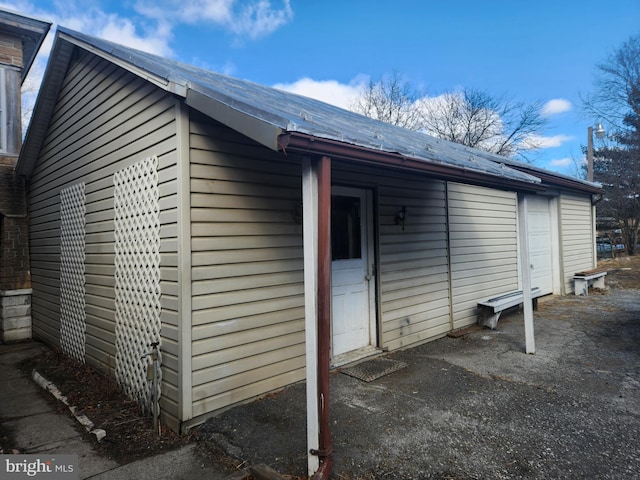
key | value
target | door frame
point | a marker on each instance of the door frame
(367, 214)
(554, 238)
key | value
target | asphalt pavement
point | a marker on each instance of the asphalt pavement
(476, 406)
(471, 407)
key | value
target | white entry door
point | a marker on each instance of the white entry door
(351, 271)
(540, 243)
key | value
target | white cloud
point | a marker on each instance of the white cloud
(258, 19)
(561, 162)
(188, 11)
(124, 31)
(131, 31)
(150, 26)
(556, 106)
(329, 91)
(246, 19)
(539, 141)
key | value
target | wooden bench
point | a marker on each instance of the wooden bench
(492, 307)
(582, 281)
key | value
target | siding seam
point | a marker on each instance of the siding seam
(449, 263)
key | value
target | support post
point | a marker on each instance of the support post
(325, 452)
(525, 266)
(310, 240)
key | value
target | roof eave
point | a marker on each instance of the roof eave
(44, 106)
(32, 32)
(263, 132)
(59, 59)
(557, 181)
(164, 83)
(293, 142)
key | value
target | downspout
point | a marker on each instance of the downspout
(325, 452)
(563, 284)
(595, 199)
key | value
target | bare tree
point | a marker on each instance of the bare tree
(391, 100)
(470, 117)
(477, 119)
(614, 83)
(29, 92)
(616, 100)
(618, 170)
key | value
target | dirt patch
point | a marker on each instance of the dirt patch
(623, 272)
(130, 433)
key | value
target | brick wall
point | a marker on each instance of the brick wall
(10, 50)
(15, 281)
(14, 239)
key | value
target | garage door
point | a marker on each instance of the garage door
(540, 247)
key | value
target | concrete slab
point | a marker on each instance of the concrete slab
(182, 464)
(90, 463)
(14, 354)
(15, 383)
(41, 432)
(19, 397)
(9, 373)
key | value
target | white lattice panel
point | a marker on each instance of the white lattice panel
(72, 282)
(137, 272)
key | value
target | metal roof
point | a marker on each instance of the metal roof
(260, 112)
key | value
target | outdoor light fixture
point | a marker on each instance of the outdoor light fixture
(599, 134)
(401, 216)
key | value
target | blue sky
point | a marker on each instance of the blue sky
(543, 51)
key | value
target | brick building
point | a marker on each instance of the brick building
(20, 40)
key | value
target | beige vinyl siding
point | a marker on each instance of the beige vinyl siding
(413, 269)
(483, 236)
(576, 227)
(414, 272)
(105, 120)
(247, 269)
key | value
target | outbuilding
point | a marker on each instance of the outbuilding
(175, 205)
